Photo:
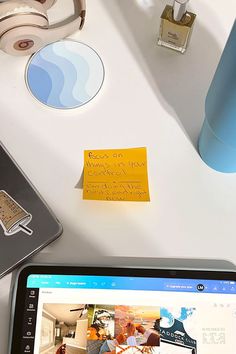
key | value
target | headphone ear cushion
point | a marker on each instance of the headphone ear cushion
(20, 6)
(14, 15)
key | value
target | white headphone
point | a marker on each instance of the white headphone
(24, 25)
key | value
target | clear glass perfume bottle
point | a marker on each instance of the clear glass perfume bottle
(176, 26)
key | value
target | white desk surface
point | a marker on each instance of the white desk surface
(151, 97)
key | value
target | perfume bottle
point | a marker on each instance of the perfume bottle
(176, 26)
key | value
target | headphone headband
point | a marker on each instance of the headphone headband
(79, 14)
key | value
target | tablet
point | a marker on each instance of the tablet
(75, 310)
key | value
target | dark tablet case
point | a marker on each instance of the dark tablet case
(15, 187)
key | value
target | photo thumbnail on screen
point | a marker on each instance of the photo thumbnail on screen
(99, 328)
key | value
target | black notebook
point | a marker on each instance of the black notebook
(26, 222)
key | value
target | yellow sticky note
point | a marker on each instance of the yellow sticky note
(119, 174)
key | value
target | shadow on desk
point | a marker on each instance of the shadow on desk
(158, 263)
(180, 81)
(172, 263)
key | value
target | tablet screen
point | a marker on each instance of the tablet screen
(96, 314)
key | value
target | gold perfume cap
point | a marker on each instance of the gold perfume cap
(179, 9)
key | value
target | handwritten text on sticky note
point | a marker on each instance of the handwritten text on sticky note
(119, 174)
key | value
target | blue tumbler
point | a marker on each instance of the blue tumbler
(217, 141)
